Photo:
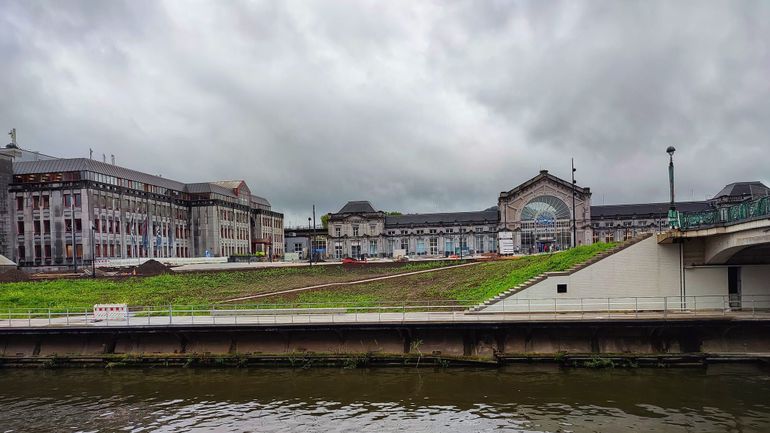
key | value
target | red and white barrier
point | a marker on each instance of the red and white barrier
(110, 311)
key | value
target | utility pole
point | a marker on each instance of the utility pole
(574, 221)
(72, 221)
(93, 258)
(312, 233)
(309, 242)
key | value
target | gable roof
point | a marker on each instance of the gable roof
(541, 176)
(357, 207)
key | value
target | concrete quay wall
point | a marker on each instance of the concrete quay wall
(480, 341)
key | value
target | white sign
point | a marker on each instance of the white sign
(505, 240)
(399, 253)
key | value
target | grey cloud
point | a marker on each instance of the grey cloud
(416, 106)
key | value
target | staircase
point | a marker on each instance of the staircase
(532, 281)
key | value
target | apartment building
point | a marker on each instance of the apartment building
(64, 210)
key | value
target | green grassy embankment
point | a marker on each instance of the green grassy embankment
(202, 288)
(464, 285)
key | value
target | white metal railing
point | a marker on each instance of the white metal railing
(757, 306)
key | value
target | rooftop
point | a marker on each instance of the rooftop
(362, 206)
(744, 189)
(476, 217)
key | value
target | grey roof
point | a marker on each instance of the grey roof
(85, 164)
(477, 217)
(744, 189)
(208, 187)
(357, 207)
(655, 209)
(545, 175)
(260, 200)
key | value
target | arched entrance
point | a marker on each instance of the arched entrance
(545, 225)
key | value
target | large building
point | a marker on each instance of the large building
(542, 214)
(62, 210)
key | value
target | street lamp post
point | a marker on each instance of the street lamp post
(310, 241)
(574, 222)
(93, 258)
(672, 217)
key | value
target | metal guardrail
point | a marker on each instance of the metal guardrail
(745, 211)
(438, 311)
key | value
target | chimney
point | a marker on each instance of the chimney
(112, 157)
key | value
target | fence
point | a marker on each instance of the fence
(437, 311)
(727, 215)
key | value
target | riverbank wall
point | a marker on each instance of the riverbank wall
(632, 342)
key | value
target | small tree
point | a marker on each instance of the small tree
(325, 220)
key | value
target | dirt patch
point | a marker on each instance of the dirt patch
(14, 276)
(152, 267)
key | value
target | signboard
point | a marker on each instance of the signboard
(399, 253)
(290, 257)
(505, 241)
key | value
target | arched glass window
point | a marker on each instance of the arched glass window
(545, 223)
(545, 209)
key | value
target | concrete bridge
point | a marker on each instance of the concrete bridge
(738, 243)
(722, 253)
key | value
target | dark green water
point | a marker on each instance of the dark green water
(519, 398)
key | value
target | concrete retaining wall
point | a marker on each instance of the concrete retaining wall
(480, 341)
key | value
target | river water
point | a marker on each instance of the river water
(518, 398)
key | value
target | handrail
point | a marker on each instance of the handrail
(589, 308)
(744, 211)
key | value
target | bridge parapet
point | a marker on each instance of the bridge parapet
(725, 216)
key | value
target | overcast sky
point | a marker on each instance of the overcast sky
(416, 106)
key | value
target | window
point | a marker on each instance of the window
(46, 227)
(420, 250)
(20, 227)
(450, 230)
(19, 203)
(355, 230)
(419, 232)
(432, 231)
(433, 246)
(561, 288)
(372, 247)
(372, 229)
(405, 245)
(337, 231)
(297, 247)
(338, 250)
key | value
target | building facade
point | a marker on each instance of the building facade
(358, 230)
(535, 216)
(65, 210)
(538, 214)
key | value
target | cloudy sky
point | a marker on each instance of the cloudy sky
(413, 105)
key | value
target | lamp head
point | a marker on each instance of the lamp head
(670, 150)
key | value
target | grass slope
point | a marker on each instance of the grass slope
(187, 288)
(465, 286)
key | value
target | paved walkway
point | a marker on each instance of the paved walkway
(346, 283)
(336, 316)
